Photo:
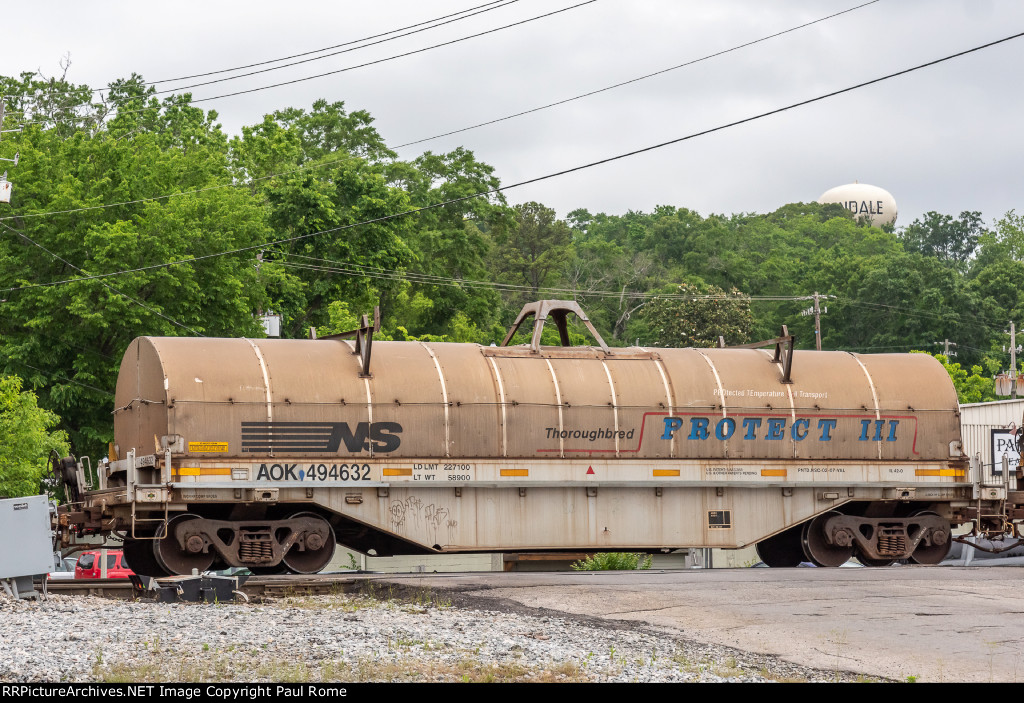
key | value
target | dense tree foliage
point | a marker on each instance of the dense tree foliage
(944, 237)
(699, 317)
(135, 215)
(26, 439)
(533, 249)
(972, 386)
(66, 339)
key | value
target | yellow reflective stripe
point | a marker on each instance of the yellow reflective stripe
(666, 472)
(397, 472)
(515, 472)
(940, 472)
(200, 471)
(773, 472)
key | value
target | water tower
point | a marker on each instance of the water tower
(865, 201)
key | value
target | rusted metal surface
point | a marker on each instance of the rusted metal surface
(784, 346)
(251, 542)
(247, 398)
(557, 310)
(887, 538)
(991, 550)
(363, 336)
(254, 586)
(107, 588)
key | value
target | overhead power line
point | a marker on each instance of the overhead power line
(379, 41)
(333, 162)
(473, 10)
(58, 376)
(154, 198)
(538, 179)
(105, 284)
(396, 56)
(346, 268)
(913, 312)
(910, 312)
(896, 347)
(330, 73)
(635, 80)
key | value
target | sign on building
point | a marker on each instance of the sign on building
(1004, 444)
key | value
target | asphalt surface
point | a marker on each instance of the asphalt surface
(929, 624)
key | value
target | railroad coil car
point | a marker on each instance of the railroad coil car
(265, 453)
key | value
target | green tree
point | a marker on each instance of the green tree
(359, 264)
(53, 103)
(700, 318)
(944, 237)
(347, 176)
(534, 249)
(971, 386)
(1005, 240)
(598, 264)
(450, 243)
(26, 440)
(64, 332)
(328, 130)
(904, 301)
(604, 257)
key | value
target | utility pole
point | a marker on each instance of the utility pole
(946, 345)
(817, 311)
(1010, 379)
(817, 323)
(5, 185)
(1013, 361)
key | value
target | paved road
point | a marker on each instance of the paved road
(938, 624)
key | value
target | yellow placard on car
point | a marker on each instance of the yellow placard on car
(207, 446)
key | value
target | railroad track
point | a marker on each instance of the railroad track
(254, 586)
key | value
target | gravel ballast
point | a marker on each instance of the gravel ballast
(351, 638)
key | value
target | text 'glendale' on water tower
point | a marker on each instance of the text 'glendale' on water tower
(865, 201)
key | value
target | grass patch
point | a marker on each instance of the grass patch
(223, 668)
(613, 561)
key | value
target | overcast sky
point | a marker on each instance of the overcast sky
(946, 138)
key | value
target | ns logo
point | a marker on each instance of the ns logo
(328, 437)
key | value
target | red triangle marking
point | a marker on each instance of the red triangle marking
(590, 471)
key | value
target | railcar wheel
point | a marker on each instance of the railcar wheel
(318, 552)
(782, 550)
(933, 553)
(868, 561)
(141, 559)
(170, 555)
(817, 549)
